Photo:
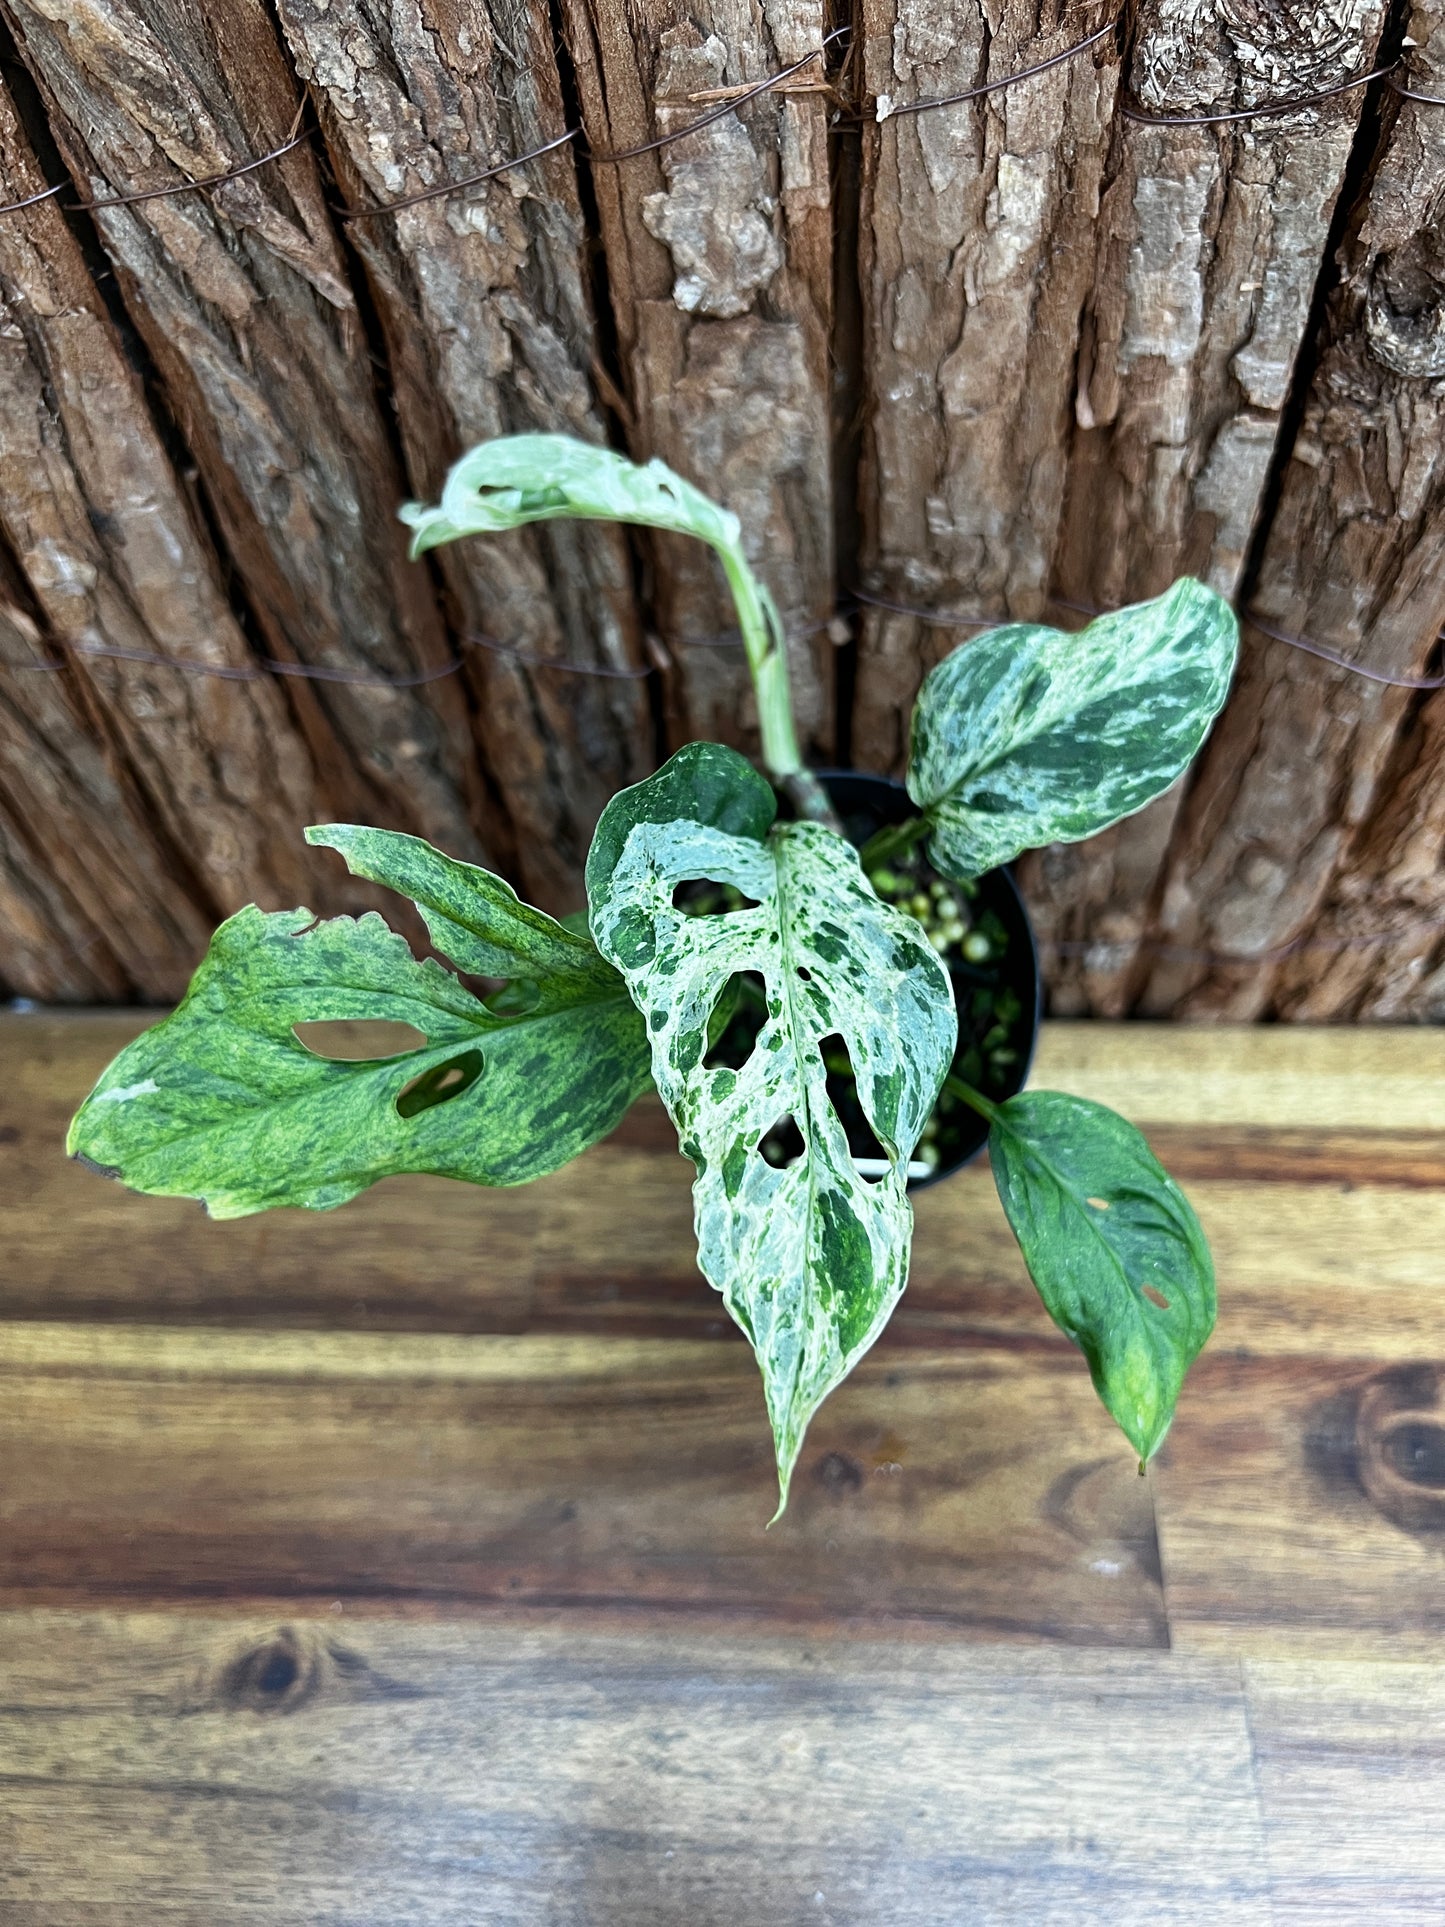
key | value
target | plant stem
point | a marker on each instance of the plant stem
(984, 1106)
(767, 653)
(892, 840)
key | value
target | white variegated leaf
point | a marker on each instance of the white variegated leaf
(810, 1259)
(516, 479)
(1027, 736)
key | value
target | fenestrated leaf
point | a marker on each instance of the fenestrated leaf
(221, 1101)
(810, 1259)
(1028, 735)
(1113, 1246)
(515, 479)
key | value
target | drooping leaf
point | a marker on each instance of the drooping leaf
(515, 479)
(1113, 1246)
(222, 1101)
(1028, 735)
(810, 1259)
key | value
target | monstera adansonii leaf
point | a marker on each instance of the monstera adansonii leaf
(810, 1258)
(222, 1101)
(1027, 735)
(1113, 1246)
(516, 479)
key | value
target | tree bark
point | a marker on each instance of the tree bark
(1209, 248)
(241, 297)
(976, 261)
(1324, 790)
(484, 305)
(719, 261)
(113, 769)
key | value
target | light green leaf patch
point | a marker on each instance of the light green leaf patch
(1113, 1246)
(222, 1101)
(517, 479)
(810, 1259)
(1028, 735)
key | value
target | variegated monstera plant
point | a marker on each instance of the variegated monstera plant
(1023, 737)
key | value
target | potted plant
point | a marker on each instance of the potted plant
(777, 984)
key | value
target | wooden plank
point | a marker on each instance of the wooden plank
(718, 253)
(1209, 248)
(1301, 1503)
(627, 1477)
(242, 301)
(1351, 1781)
(976, 238)
(1303, 1210)
(416, 1255)
(483, 299)
(526, 1774)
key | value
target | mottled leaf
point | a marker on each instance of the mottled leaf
(222, 1101)
(810, 1259)
(516, 479)
(1028, 735)
(1113, 1246)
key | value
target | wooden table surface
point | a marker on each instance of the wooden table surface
(407, 1564)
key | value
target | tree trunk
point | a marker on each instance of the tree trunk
(976, 244)
(105, 552)
(719, 263)
(1324, 786)
(241, 298)
(1209, 248)
(484, 307)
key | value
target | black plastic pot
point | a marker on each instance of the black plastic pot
(868, 804)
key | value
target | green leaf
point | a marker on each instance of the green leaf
(1028, 736)
(1113, 1246)
(810, 1259)
(221, 1101)
(516, 479)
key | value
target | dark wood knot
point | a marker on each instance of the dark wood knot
(277, 1676)
(1400, 1445)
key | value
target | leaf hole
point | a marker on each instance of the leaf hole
(842, 1085)
(706, 897)
(1152, 1293)
(783, 1144)
(805, 974)
(440, 1084)
(358, 1040)
(738, 1015)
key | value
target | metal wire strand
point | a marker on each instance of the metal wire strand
(1270, 110)
(45, 194)
(1004, 80)
(443, 188)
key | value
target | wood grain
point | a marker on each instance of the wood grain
(319, 1771)
(408, 1562)
(1301, 1507)
(1362, 1743)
